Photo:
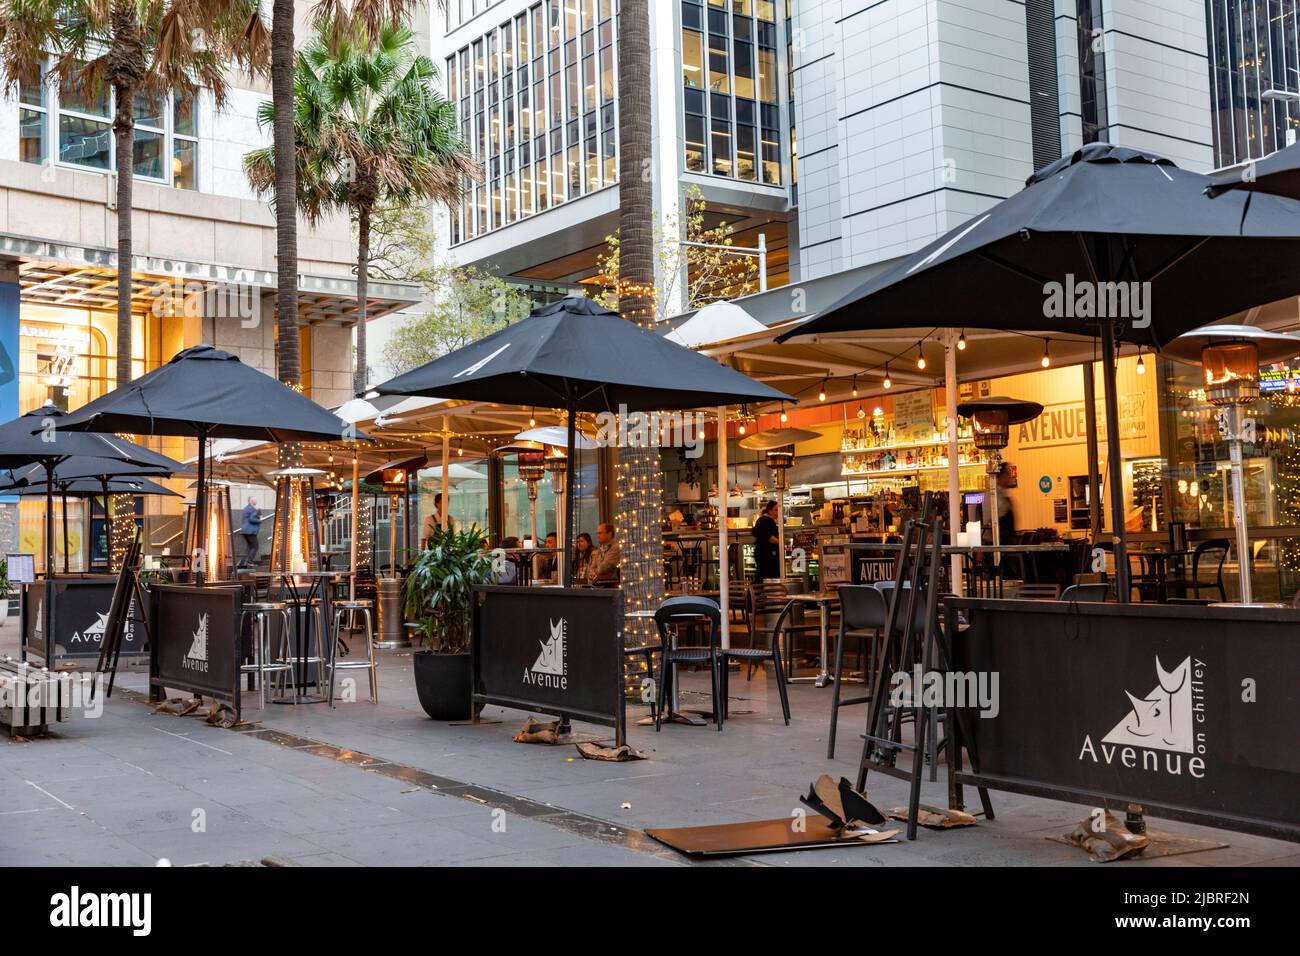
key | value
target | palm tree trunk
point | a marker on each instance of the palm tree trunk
(640, 484)
(124, 148)
(286, 191)
(363, 269)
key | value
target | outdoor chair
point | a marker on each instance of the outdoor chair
(1208, 552)
(1086, 593)
(754, 656)
(863, 611)
(674, 613)
(768, 601)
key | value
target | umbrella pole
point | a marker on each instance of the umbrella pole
(201, 508)
(444, 504)
(49, 520)
(356, 501)
(63, 514)
(724, 562)
(1116, 464)
(568, 495)
(108, 525)
(1239, 504)
(954, 463)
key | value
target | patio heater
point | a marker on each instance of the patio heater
(1230, 357)
(992, 419)
(217, 564)
(779, 461)
(295, 542)
(393, 481)
(556, 464)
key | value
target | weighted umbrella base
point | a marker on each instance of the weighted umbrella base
(390, 645)
(300, 699)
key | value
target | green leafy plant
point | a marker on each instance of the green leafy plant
(438, 590)
(4, 578)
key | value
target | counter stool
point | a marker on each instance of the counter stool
(346, 609)
(263, 663)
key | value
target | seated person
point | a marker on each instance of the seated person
(604, 567)
(510, 573)
(583, 555)
(544, 565)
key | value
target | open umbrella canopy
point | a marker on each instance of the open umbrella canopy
(578, 355)
(93, 488)
(39, 437)
(78, 467)
(203, 391)
(1104, 214)
(1277, 174)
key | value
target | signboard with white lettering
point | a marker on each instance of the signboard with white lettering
(914, 416)
(196, 640)
(554, 650)
(1188, 711)
(65, 619)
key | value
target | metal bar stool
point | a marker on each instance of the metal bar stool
(263, 663)
(348, 609)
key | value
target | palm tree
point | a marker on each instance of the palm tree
(370, 129)
(641, 495)
(368, 14)
(142, 50)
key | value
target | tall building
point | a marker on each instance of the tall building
(204, 269)
(849, 132)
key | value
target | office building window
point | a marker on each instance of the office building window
(63, 125)
(730, 89)
(537, 93)
(1254, 77)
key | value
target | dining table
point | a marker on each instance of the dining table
(299, 589)
(823, 601)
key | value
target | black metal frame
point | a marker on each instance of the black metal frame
(960, 736)
(157, 686)
(617, 720)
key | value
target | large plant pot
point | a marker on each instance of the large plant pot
(443, 683)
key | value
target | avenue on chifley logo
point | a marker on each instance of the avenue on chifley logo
(1161, 727)
(196, 658)
(550, 670)
(95, 632)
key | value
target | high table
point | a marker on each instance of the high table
(823, 600)
(523, 561)
(300, 589)
(674, 714)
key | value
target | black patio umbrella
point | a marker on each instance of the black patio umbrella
(37, 438)
(91, 488)
(1277, 175)
(577, 355)
(205, 393)
(102, 471)
(1108, 242)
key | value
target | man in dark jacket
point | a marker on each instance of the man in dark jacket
(249, 528)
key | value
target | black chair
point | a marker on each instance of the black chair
(754, 655)
(863, 610)
(1207, 551)
(1086, 593)
(769, 601)
(689, 610)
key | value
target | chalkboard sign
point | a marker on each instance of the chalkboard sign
(551, 650)
(196, 640)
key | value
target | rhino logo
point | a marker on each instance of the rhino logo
(1162, 720)
(94, 632)
(551, 658)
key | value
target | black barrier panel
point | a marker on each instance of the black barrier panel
(554, 650)
(196, 640)
(1192, 712)
(78, 617)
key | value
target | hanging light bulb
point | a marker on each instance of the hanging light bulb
(920, 357)
(821, 395)
(888, 383)
(1141, 366)
(961, 341)
(855, 386)
(784, 417)
(532, 418)
(742, 426)
(1046, 360)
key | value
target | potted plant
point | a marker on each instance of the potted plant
(438, 596)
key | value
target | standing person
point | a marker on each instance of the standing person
(433, 522)
(605, 564)
(251, 524)
(583, 553)
(1006, 512)
(766, 543)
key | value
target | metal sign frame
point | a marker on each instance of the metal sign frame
(165, 639)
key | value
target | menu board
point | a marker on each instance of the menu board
(914, 417)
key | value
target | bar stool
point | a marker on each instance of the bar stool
(347, 609)
(263, 663)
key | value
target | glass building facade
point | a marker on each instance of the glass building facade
(535, 97)
(732, 117)
(1254, 61)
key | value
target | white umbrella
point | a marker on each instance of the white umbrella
(716, 322)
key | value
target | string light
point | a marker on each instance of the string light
(961, 341)
(920, 357)
(784, 417)
(532, 418)
(1141, 366)
(888, 383)
(1046, 360)
(821, 395)
(855, 386)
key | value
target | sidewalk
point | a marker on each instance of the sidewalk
(393, 787)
